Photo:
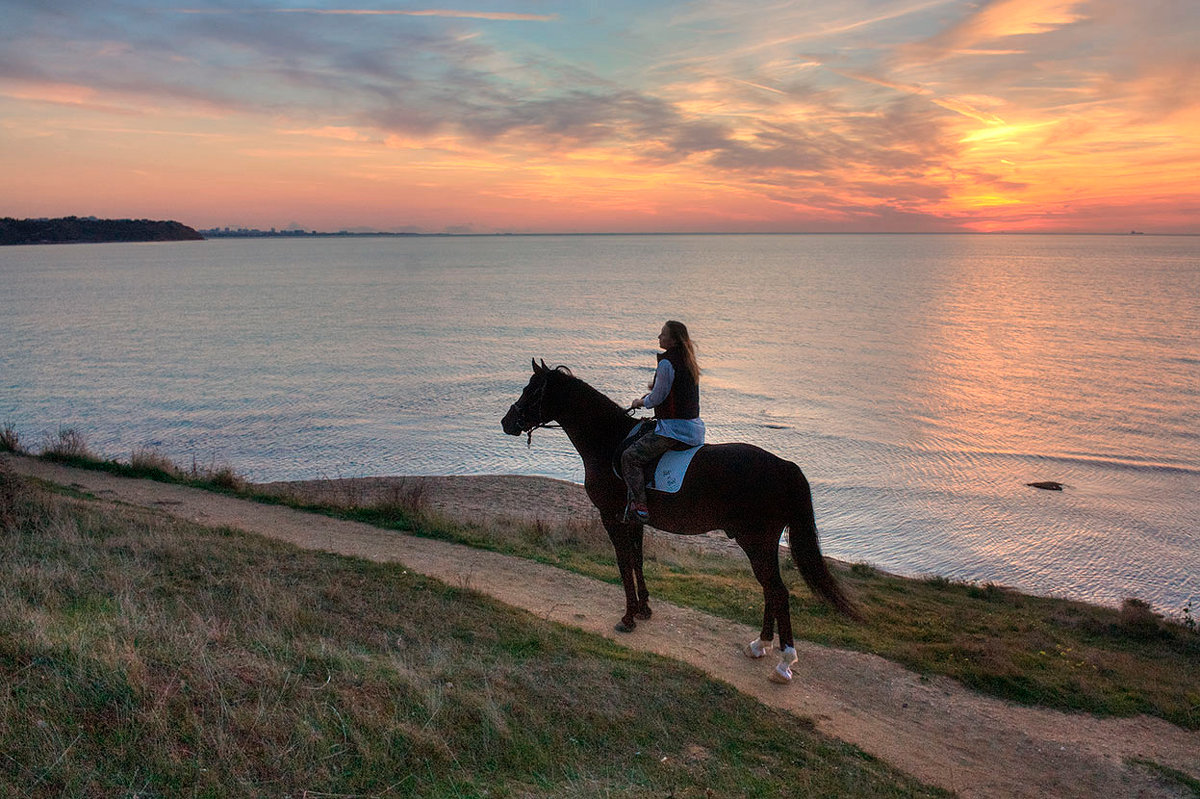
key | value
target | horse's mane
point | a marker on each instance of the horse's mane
(586, 388)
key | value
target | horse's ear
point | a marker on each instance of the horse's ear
(545, 368)
(536, 369)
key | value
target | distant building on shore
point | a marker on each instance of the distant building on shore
(251, 233)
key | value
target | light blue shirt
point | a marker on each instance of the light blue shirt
(687, 431)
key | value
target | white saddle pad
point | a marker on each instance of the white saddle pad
(672, 468)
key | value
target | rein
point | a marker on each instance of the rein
(539, 400)
(542, 425)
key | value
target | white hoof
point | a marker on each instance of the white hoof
(757, 648)
(783, 670)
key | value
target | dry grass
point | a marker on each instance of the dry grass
(68, 444)
(10, 440)
(535, 538)
(10, 490)
(219, 474)
(402, 496)
(148, 459)
(411, 498)
(146, 656)
(1138, 618)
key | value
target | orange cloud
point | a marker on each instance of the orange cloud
(338, 132)
(59, 93)
(1000, 19)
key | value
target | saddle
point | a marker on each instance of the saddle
(665, 474)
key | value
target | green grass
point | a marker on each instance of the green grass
(1032, 650)
(146, 656)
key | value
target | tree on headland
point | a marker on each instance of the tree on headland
(79, 230)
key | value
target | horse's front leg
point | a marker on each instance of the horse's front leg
(627, 543)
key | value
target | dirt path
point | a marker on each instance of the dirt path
(932, 729)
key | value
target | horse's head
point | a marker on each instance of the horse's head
(537, 405)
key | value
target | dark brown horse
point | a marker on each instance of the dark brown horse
(739, 488)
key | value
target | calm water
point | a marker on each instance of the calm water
(920, 381)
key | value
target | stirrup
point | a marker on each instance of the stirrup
(637, 511)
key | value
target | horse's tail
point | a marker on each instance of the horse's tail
(806, 552)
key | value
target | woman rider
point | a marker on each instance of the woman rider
(675, 398)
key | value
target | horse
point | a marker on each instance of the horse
(742, 489)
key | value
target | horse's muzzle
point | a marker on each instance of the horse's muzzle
(510, 424)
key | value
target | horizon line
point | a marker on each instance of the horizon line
(311, 231)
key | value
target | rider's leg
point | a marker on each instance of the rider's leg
(634, 461)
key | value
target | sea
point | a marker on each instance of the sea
(920, 381)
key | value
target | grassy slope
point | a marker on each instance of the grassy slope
(1033, 650)
(142, 656)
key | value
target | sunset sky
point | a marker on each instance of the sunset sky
(588, 116)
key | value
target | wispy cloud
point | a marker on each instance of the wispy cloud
(964, 108)
(381, 12)
(909, 88)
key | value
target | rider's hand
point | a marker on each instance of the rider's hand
(637, 403)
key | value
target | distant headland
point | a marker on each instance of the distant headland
(90, 230)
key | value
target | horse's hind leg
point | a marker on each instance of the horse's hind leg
(763, 552)
(760, 646)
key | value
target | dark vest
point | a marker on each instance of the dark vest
(684, 400)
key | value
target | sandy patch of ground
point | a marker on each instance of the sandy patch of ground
(511, 499)
(459, 498)
(934, 729)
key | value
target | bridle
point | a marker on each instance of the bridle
(537, 399)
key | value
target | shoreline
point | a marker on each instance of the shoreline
(514, 500)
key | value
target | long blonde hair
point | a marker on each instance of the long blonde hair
(679, 332)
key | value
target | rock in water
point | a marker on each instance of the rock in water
(1047, 485)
